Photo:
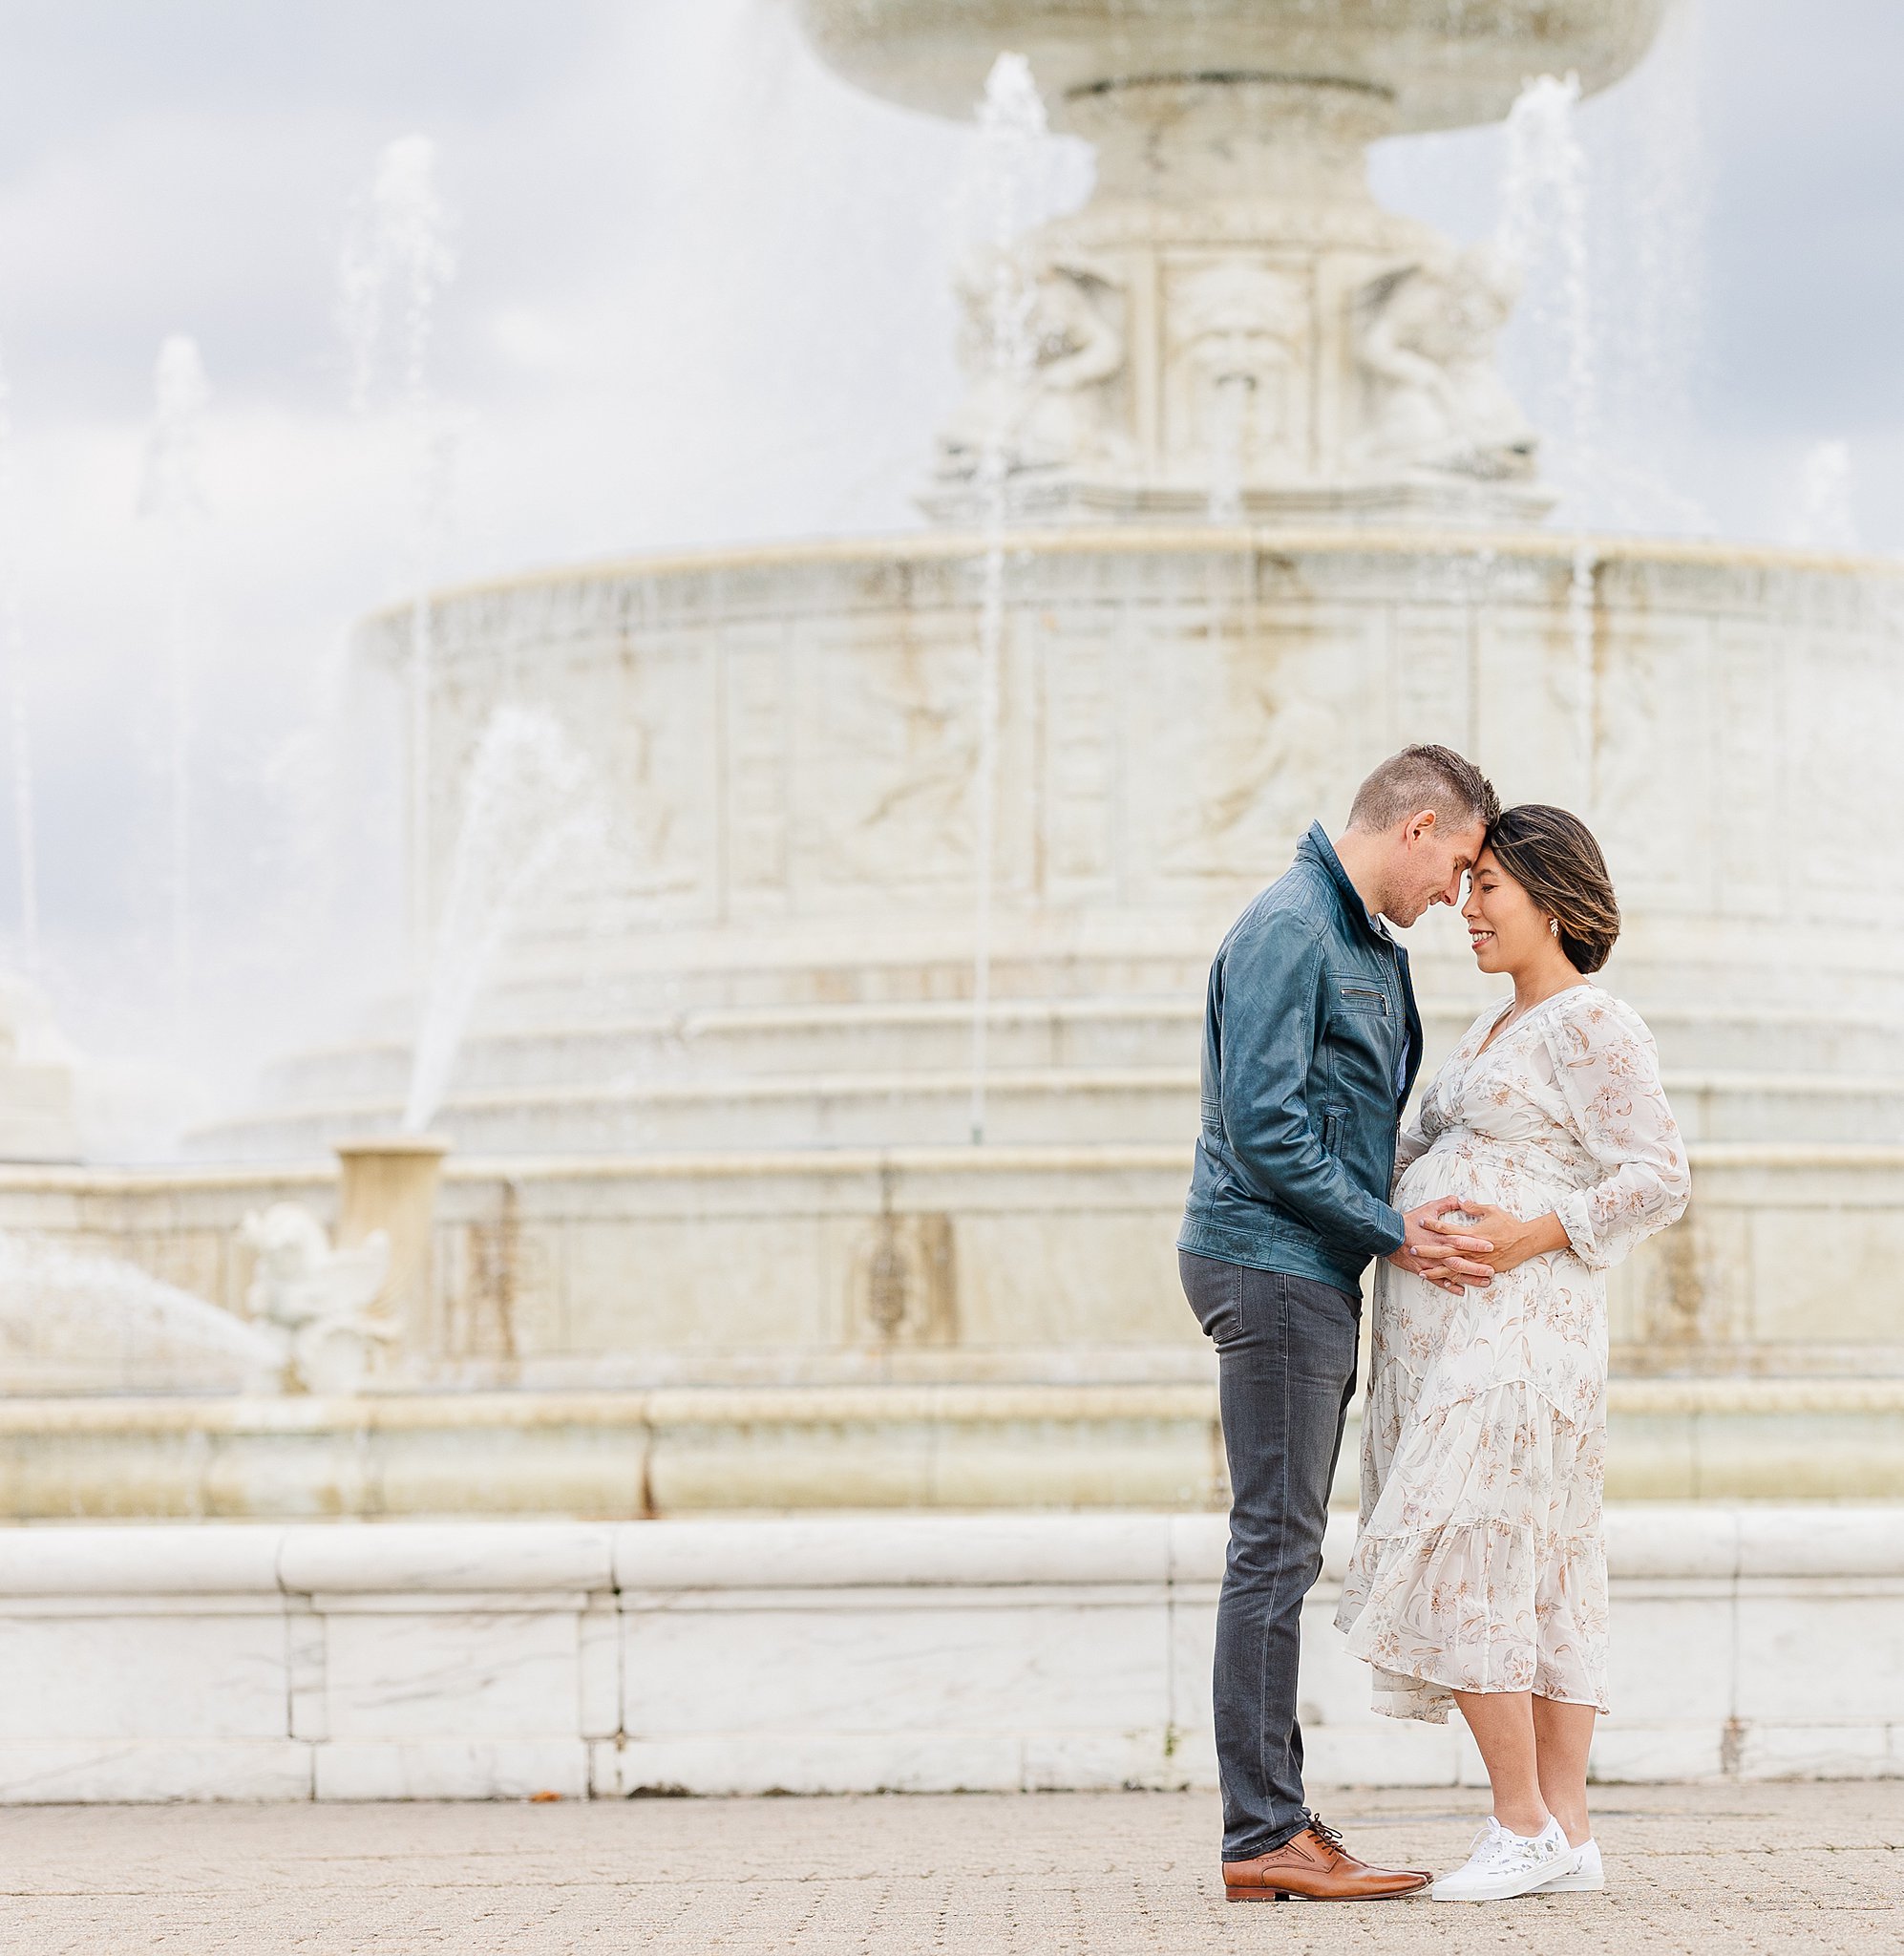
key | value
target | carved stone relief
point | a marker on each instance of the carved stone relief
(1425, 337)
(317, 1299)
(1650, 686)
(659, 768)
(1247, 767)
(756, 767)
(1237, 354)
(1081, 760)
(906, 1282)
(889, 783)
(1063, 410)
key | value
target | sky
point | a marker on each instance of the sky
(701, 295)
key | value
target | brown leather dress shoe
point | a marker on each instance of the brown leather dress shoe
(1315, 1866)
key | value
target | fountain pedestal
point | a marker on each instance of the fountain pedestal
(389, 1185)
(1233, 323)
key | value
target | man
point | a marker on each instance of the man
(1311, 1043)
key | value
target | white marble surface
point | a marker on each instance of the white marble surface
(916, 1652)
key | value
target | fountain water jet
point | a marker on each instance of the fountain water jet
(1543, 231)
(1827, 518)
(530, 801)
(1011, 124)
(400, 237)
(173, 497)
(19, 712)
(79, 1321)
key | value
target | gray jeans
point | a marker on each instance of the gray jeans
(1286, 1347)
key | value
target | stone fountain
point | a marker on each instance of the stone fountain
(716, 1234)
(1233, 296)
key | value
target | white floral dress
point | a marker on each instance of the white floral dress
(1481, 1562)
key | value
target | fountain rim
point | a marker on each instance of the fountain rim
(832, 1404)
(296, 1177)
(925, 548)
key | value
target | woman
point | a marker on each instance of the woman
(1479, 1574)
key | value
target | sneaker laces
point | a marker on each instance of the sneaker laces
(1511, 1850)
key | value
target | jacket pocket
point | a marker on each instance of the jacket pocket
(1352, 996)
(1331, 1131)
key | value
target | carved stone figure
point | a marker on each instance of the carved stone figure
(1424, 340)
(316, 1298)
(901, 754)
(1058, 412)
(1258, 772)
(1239, 333)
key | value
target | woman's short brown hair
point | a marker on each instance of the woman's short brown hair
(1554, 858)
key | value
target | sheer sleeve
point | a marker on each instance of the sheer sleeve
(1607, 1071)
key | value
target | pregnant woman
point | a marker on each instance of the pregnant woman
(1479, 1573)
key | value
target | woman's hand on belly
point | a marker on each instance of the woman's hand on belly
(1513, 1242)
(1446, 1256)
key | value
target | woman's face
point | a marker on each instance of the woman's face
(1506, 928)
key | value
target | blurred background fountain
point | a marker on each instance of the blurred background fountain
(806, 941)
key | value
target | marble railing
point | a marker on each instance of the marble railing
(500, 1660)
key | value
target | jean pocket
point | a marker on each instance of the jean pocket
(1214, 1290)
(1320, 1328)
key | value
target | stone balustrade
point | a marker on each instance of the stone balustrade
(501, 1660)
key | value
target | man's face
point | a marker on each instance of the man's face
(1429, 864)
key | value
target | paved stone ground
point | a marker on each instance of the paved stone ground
(1709, 1871)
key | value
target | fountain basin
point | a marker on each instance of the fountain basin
(1431, 65)
(855, 1655)
(683, 1451)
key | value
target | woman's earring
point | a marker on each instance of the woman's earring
(1553, 925)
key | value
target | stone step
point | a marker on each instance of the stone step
(1023, 1106)
(915, 1039)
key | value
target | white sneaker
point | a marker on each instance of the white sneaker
(1504, 1864)
(1588, 1872)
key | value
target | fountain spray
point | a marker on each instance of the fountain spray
(399, 237)
(19, 712)
(1825, 518)
(1011, 128)
(531, 803)
(1545, 199)
(173, 496)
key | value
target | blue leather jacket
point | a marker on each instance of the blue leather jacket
(1311, 1042)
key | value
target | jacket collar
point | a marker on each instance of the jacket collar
(1316, 848)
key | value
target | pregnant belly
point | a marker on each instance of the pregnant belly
(1524, 1182)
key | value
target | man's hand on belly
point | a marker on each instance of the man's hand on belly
(1451, 1256)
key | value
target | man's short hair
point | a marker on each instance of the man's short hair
(1419, 778)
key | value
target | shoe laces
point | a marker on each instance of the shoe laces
(1319, 1826)
(1497, 1847)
